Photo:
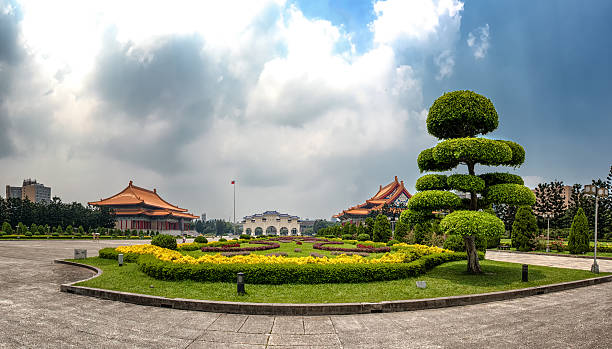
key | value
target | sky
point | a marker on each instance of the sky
(309, 105)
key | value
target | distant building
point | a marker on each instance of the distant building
(30, 189)
(394, 195)
(271, 223)
(142, 209)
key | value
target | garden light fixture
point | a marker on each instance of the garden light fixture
(590, 189)
(240, 284)
(120, 259)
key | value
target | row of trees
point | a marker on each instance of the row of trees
(550, 205)
(378, 229)
(215, 227)
(53, 214)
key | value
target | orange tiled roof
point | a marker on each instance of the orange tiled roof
(133, 195)
(385, 195)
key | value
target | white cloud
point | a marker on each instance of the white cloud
(478, 40)
(186, 97)
(532, 181)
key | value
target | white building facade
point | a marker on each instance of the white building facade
(271, 223)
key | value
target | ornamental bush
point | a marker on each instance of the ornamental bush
(477, 150)
(382, 229)
(475, 223)
(165, 241)
(200, 240)
(524, 229)
(347, 237)
(432, 182)
(363, 237)
(466, 183)
(427, 162)
(578, 241)
(510, 194)
(6, 227)
(454, 243)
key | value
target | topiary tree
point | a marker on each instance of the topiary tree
(578, 241)
(456, 118)
(524, 229)
(382, 229)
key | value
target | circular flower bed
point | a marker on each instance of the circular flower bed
(268, 245)
(359, 248)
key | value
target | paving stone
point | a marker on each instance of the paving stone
(233, 337)
(228, 323)
(304, 339)
(288, 325)
(318, 324)
(257, 324)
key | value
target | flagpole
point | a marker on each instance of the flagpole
(234, 184)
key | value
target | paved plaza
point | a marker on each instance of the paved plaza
(36, 315)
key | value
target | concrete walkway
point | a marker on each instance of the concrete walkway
(550, 261)
(36, 315)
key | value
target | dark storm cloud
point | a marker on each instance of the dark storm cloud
(173, 81)
(11, 54)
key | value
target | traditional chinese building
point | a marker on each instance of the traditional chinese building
(143, 209)
(394, 195)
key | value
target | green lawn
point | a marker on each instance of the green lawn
(289, 248)
(448, 279)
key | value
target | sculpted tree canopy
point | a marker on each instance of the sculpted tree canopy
(457, 118)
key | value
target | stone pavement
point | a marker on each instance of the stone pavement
(34, 314)
(550, 261)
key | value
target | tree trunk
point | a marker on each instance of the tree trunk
(473, 196)
(473, 266)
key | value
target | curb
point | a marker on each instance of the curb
(552, 254)
(313, 309)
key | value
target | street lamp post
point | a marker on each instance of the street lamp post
(597, 192)
(547, 216)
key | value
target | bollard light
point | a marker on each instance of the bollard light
(240, 284)
(120, 259)
(525, 276)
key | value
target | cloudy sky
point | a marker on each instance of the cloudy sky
(309, 105)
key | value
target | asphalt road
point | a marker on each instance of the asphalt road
(34, 314)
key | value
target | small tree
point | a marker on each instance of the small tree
(524, 229)
(69, 230)
(382, 229)
(369, 226)
(6, 227)
(578, 241)
(549, 201)
(21, 228)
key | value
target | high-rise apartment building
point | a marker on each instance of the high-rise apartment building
(35, 192)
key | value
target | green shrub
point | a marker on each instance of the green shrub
(6, 227)
(432, 200)
(466, 183)
(524, 229)
(222, 240)
(363, 237)
(412, 217)
(21, 228)
(454, 243)
(427, 162)
(347, 237)
(111, 253)
(510, 194)
(201, 239)
(292, 273)
(578, 241)
(392, 242)
(476, 150)
(432, 182)
(245, 236)
(165, 241)
(465, 223)
(518, 154)
(28, 233)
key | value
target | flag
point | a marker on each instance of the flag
(233, 182)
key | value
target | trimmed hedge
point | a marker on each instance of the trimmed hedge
(200, 239)
(494, 178)
(478, 150)
(433, 200)
(165, 241)
(431, 182)
(518, 153)
(475, 223)
(510, 194)
(277, 274)
(111, 253)
(466, 183)
(412, 217)
(235, 247)
(320, 246)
